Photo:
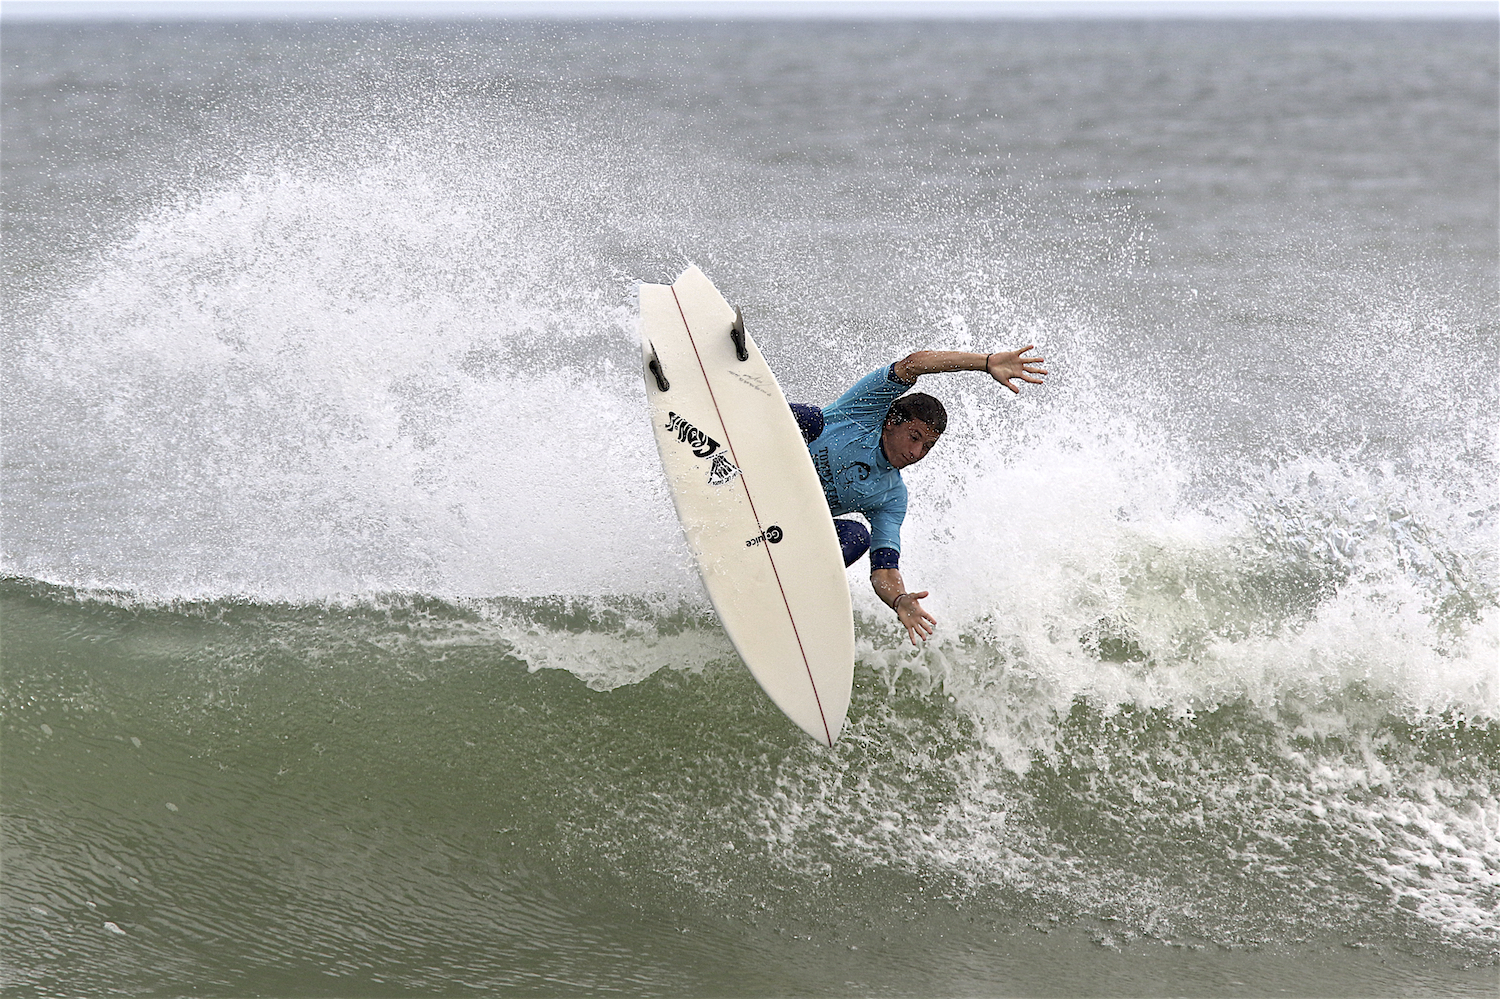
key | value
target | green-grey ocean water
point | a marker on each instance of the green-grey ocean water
(349, 643)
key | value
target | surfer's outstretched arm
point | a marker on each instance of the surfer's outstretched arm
(908, 606)
(1003, 366)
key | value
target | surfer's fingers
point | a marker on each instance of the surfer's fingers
(921, 628)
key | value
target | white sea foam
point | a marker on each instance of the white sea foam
(317, 381)
(316, 384)
(309, 384)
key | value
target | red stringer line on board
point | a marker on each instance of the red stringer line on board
(764, 547)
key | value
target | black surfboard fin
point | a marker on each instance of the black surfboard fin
(655, 365)
(737, 334)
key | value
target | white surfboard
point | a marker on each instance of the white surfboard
(750, 502)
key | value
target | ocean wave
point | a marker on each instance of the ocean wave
(336, 444)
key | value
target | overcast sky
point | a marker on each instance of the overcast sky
(149, 10)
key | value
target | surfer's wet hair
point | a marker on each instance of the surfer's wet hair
(918, 406)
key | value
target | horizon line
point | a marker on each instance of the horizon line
(41, 11)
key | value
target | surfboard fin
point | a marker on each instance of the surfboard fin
(737, 334)
(655, 365)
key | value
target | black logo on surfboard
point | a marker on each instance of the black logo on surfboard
(773, 534)
(721, 470)
(702, 444)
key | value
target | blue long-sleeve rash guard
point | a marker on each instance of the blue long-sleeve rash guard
(857, 477)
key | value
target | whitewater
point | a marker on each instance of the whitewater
(350, 643)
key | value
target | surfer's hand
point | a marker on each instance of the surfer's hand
(917, 622)
(1007, 364)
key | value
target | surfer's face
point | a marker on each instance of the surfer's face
(907, 443)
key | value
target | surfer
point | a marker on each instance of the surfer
(861, 443)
